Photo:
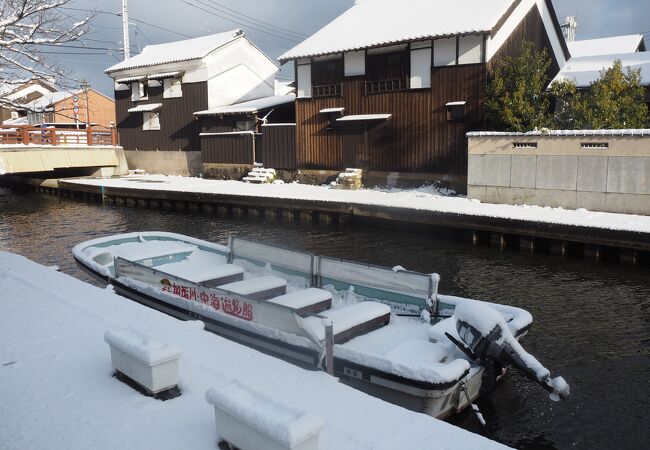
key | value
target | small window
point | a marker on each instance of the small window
(144, 90)
(594, 145)
(524, 145)
(172, 87)
(244, 125)
(150, 121)
(14, 114)
(455, 111)
(139, 91)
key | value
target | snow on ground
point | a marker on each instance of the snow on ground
(57, 390)
(420, 199)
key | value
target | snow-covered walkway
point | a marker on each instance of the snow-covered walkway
(56, 389)
(416, 199)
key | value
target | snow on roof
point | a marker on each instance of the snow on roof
(586, 69)
(41, 103)
(45, 398)
(381, 22)
(250, 106)
(145, 108)
(185, 50)
(605, 46)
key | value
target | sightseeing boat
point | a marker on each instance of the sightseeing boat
(386, 331)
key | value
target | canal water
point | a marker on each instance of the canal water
(592, 322)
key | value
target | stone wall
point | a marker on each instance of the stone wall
(596, 170)
(165, 162)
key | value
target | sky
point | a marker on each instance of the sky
(274, 25)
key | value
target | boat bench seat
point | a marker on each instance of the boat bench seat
(350, 321)
(305, 301)
(211, 276)
(262, 288)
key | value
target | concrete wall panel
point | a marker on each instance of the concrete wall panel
(592, 173)
(557, 172)
(497, 170)
(628, 175)
(523, 171)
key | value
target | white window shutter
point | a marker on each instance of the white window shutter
(304, 81)
(354, 63)
(421, 68)
(135, 91)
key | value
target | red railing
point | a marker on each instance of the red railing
(27, 134)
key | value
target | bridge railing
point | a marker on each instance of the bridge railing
(27, 134)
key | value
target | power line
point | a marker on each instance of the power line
(260, 23)
(278, 36)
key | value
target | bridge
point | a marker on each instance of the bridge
(29, 150)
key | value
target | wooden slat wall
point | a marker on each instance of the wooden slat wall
(530, 29)
(179, 130)
(417, 138)
(228, 149)
(276, 147)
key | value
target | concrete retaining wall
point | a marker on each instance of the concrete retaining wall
(165, 162)
(575, 171)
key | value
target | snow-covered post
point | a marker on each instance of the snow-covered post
(151, 364)
(250, 420)
(329, 345)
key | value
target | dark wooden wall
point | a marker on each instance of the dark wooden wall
(276, 146)
(417, 138)
(179, 130)
(530, 29)
(228, 149)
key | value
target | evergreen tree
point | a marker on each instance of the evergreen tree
(517, 99)
(615, 100)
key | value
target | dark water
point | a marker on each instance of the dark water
(592, 322)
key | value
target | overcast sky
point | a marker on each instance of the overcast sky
(278, 25)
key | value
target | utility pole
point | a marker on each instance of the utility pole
(125, 26)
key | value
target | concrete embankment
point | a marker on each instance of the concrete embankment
(583, 234)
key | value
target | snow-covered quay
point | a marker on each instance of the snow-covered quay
(57, 391)
(416, 200)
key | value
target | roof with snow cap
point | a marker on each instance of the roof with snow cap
(606, 46)
(176, 51)
(251, 106)
(585, 70)
(372, 23)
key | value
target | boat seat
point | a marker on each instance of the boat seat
(305, 301)
(350, 321)
(262, 288)
(212, 276)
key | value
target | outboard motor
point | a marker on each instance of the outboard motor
(487, 338)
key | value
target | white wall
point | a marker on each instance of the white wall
(238, 72)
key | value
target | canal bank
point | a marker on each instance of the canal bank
(576, 233)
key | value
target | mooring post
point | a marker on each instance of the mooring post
(329, 345)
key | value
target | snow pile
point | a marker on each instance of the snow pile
(140, 347)
(289, 426)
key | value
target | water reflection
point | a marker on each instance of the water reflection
(591, 321)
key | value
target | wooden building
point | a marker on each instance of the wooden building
(392, 87)
(256, 131)
(158, 90)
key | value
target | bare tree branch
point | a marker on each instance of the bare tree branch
(27, 27)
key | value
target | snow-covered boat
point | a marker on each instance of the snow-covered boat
(394, 336)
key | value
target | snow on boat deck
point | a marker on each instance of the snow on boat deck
(57, 390)
(416, 199)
